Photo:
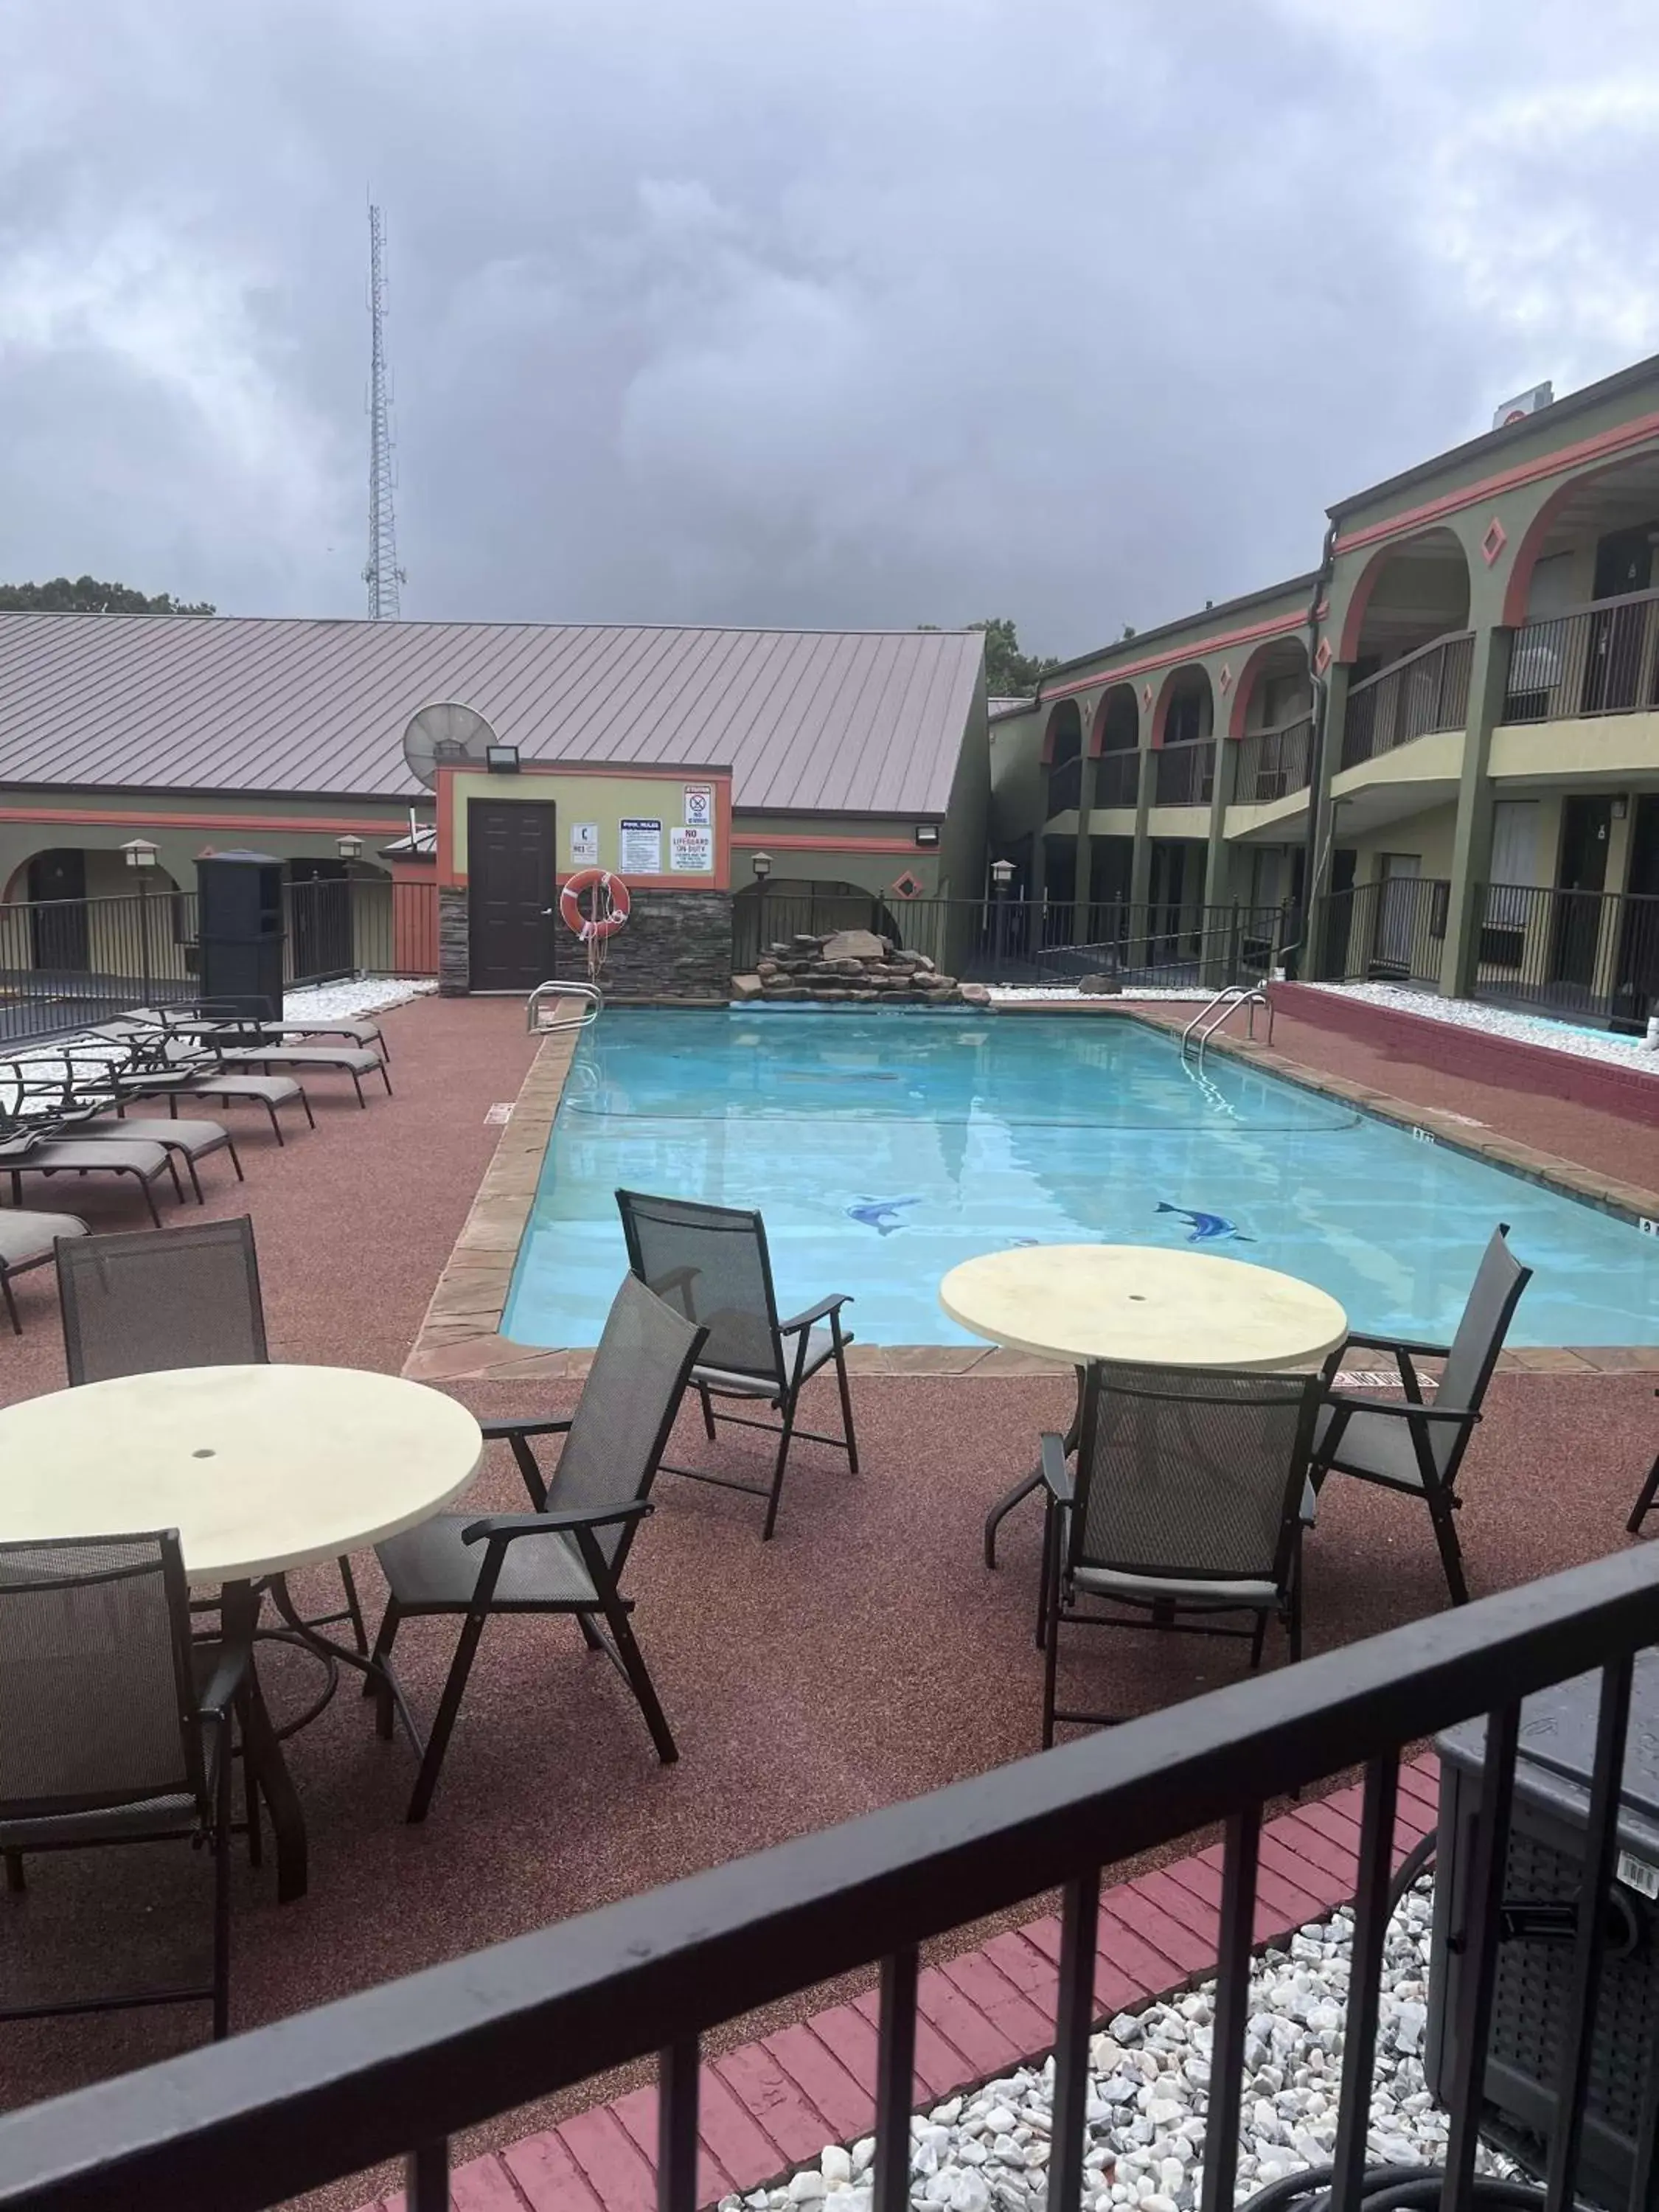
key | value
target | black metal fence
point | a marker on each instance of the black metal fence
(359, 925)
(1564, 953)
(1117, 778)
(1157, 945)
(1602, 659)
(67, 961)
(1427, 691)
(1184, 774)
(1273, 763)
(1392, 932)
(401, 2070)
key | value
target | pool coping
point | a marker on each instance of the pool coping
(459, 1338)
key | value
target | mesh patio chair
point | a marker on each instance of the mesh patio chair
(138, 1304)
(1407, 1446)
(27, 1241)
(568, 1555)
(711, 1261)
(114, 1727)
(1187, 1500)
(154, 1063)
(1649, 1492)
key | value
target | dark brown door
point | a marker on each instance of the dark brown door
(1586, 825)
(57, 919)
(511, 847)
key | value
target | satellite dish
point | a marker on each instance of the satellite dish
(445, 735)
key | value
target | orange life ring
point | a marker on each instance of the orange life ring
(611, 904)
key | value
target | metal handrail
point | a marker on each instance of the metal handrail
(591, 1012)
(1216, 1010)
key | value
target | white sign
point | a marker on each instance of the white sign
(699, 806)
(584, 844)
(691, 851)
(640, 848)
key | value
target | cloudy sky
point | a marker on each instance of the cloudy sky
(825, 312)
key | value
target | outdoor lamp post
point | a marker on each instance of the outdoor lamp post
(761, 864)
(1002, 874)
(351, 848)
(141, 855)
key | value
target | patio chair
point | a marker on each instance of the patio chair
(114, 1727)
(93, 1107)
(181, 1297)
(29, 1240)
(26, 1151)
(711, 1262)
(1649, 1492)
(355, 1061)
(159, 1064)
(1184, 1512)
(1406, 1446)
(205, 1018)
(568, 1554)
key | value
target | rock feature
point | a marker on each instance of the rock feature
(853, 965)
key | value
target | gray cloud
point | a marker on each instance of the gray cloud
(854, 313)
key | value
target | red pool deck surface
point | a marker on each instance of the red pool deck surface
(773, 2104)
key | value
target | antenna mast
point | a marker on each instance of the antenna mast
(381, 571)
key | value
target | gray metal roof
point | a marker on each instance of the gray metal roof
(833, 721)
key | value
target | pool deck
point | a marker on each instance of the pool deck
(1584, 1157)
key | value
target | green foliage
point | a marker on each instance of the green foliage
(1009, 673)
(87, 596)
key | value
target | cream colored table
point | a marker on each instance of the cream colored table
(1132, 1302)
(260, 1469)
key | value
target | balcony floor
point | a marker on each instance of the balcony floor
(865, 1656)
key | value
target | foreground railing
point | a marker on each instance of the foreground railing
(1600, 660)
(400, 2071)
(1158, 944)
(1425, 691)
(1392, 931)
(1565, 952)
(1273, 763)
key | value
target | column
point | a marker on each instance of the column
(1472, 839)
(1322, 946)
(1217, 866)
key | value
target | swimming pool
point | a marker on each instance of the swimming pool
(883, 1149)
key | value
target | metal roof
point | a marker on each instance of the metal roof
(830, 722)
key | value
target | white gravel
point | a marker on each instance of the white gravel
(368, 994)
(1000, 992)
(1149, 2092)
(1495, 1021)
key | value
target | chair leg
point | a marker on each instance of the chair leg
(311, 1119)
(639, 1680)
(375, 1685)
(842, 1385)
(173, 1178)
(15, 1881)
(1258, 1639)
(1042, 1574)
(1050, 1637)
(222, 1895)
(1644, 1504)
(448, 1706)
(385, 1078)
(353, 1610)
(787, 1409)
(707, 1411)
(195, 1180)
(1294, 1616)
(358, 1088)
(275, 1124)
(7, 1292)
(250, 1789)
(235, 1159)
(591, 1636)
(1451, 1552)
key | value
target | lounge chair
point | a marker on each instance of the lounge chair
(1184, 1513)
(1406, 1446)
(143, 1161)
(29, 1240)
(118, 1729)
(712, 1263)
(204, 1020)
(354, 1060)
(568, 1555)
(90, 1104)
(159, 1065)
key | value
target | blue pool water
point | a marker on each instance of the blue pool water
(883, 1149)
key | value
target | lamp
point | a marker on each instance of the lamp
(761, 864)
(1620, 807)
(502, 760)
(140, 853)
(927, 832)
(1002, 874)
(350, 848)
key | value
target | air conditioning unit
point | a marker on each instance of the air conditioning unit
(1532, 1995)
(1522, 404)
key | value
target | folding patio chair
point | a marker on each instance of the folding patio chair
(1649, 1492)
(114, 1727)
(1406, 1446)
(711, 1262)
(567, 1556)
(1185, 1509)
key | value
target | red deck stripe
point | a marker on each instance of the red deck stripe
(1277, 1905)
(1311, 1842)
(483, 2185)
(1116, 1988)
(616, 2173)
(844, 2030)
(1013, 2015)
(940, 2067)
(637, 2112)
(732, 2132)
(1142, 1941)
(548, 2176)
(1322, 1890)
(979, 2040)
(1340, 1830)
(1029, 1969)
(1191, 1924)
(819, 2076)
(799, 2129)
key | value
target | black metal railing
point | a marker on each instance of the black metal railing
(1569, 952)
(1425, 691)
(1185, 774)
(1392, 932)
(67, 961)
(1065, 787)
(401, 2071)
(360, 926)
(1600, 660)
(1117, 778)
(1273, 763)
(1167, 944)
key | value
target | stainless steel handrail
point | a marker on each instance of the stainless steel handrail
(1215, 1012)
(593, 1007)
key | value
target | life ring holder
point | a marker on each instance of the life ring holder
(612, 905)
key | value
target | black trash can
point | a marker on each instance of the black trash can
(1544, 1874)
(239, 923)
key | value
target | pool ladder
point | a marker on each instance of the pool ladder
(1210, 1017)
(593, 1007)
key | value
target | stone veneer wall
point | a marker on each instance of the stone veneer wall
(453, 972)
(677, 944)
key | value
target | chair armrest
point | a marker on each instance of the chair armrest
(824, 1310)
(524, 1425)
(230, 1671)
(1056, 1475)
(1347, 1403)
(1400, 1343)
(507, 1526)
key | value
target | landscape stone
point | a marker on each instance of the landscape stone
(746, 986)
(854, 944)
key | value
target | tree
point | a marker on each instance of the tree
(87, 596)
(1009, 673)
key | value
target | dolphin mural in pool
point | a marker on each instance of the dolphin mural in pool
(881, 1214)
(1206, 1228)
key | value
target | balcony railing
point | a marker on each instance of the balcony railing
(1185, 776)
(1569, 952)
(1117, 778)
(1273, 763)
(1065, 787)
(1163, 942)
(401, 2071)
(1428, 690)
(1391, 932)
(1601, 659)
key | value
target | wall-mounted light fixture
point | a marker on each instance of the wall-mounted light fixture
(761, 864)
(1620, 807)
(1002, 873)
(502, 760)
(139, 852)
(927, 832)
(350, 848)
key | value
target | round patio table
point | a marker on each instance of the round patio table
(1134, 1302)
(260, 1469)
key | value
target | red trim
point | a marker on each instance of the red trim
(1244, 690)
(1161, 709)
(125, 818)
(1121, 671)
(750, 842)
(1048, 758)
(1097, 727)
(1616, 440)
